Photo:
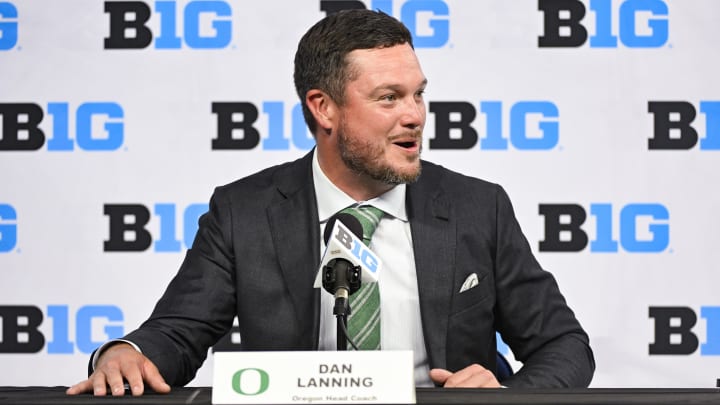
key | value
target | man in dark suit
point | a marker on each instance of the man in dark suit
(453, 250)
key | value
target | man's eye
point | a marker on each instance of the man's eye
(389, 97)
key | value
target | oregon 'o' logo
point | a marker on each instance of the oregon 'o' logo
(256, 381)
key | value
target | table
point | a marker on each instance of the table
(202, 395)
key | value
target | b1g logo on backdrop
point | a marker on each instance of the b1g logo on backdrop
(533, 125)
(98, 127)
(8, 228)
(129, 222)
(454, 125)
(674, 331)
(427, 20)
(8, 26)
(641, 228)
(205, 24)
(242, 133)
(675, 126)
(21, 328)
(641, 23)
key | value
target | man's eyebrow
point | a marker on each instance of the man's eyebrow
(396, 87)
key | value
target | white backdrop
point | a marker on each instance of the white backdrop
(134, 126)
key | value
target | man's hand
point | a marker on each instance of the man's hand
(473, 376)
(118, 362)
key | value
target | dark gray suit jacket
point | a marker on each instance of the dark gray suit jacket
(256, 254)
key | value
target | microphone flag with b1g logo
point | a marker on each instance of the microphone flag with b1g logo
(343, 244)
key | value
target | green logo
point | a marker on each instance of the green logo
(262, 377)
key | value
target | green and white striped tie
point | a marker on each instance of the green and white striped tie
(364, 319)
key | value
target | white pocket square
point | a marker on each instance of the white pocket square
(470, 282)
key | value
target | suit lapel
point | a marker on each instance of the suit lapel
(294, 226)
(433, 234)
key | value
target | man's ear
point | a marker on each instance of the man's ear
(323, 108)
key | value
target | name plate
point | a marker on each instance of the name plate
(330, 377)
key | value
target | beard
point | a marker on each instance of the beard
(365, 158)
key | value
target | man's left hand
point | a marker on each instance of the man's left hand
(472, 376)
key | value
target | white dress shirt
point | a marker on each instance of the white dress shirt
(400, 323)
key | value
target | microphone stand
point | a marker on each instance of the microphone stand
(341, 311)
(341, 279)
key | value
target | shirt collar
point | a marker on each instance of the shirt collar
(330, 199)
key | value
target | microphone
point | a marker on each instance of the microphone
(342, 240)
(345, 263)
(349, 220)
(340, 276)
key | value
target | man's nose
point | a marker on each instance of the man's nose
(413, 114)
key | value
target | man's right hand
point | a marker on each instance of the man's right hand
(116, 364)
